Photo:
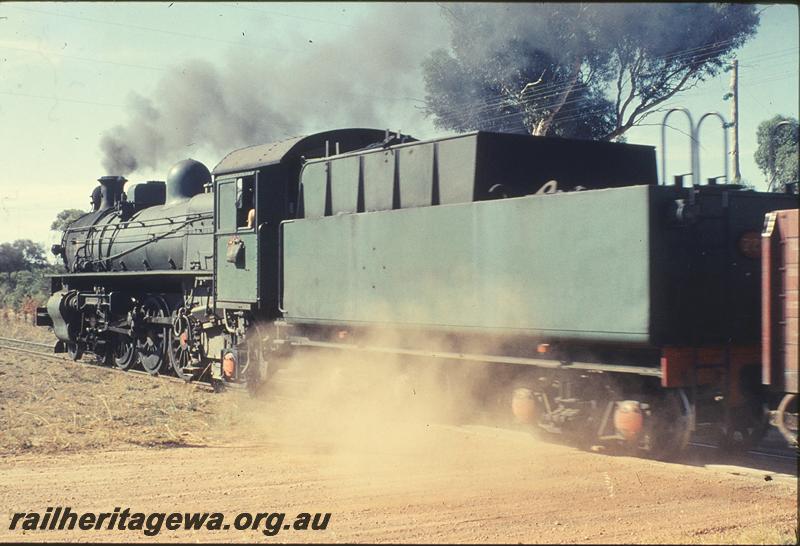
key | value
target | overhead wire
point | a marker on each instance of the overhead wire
(94, 60)
(151, 29)
(77, 58)
(788, 52)
(706, 51)
(557, 87)
(546, 91)
(57, 99)
(277, 14)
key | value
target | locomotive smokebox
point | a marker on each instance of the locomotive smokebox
(110, 191)
(185, 180)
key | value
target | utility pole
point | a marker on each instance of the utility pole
(737, 175)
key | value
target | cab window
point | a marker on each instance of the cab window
(245, 202)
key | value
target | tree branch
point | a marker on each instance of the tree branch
(634, 92)
(544, 124)
(643, 106)
(622, 67)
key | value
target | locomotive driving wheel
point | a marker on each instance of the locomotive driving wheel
(185, 349)
(75, 350)
(151, 343)
(123, 351)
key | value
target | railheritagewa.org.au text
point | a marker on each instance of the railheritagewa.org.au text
(63, 518)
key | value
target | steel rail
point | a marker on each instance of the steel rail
(60, 357)
(26, 342)
(755, 452)
(207, 386)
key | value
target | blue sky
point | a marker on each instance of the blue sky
(68, 72)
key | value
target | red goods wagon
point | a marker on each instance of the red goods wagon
(779, 298)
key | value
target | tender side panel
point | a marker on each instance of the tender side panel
(572, 265)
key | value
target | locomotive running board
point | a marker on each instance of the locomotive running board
(494, 359)
(149, 274)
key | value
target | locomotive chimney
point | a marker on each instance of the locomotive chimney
(111, 190)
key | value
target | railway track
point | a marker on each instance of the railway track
(784, 454)
(773, 449)
(46, 350)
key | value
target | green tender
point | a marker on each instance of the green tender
(563, 266)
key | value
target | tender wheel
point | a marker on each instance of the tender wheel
(748, 425)
(257, 375)
(786, 418)
(151, 345)
(185, 351)
(669, 426)
(258, 369)
(123, 352)
(74, 350)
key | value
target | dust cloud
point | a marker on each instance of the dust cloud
(370, 412)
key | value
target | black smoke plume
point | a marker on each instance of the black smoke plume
(367, 76)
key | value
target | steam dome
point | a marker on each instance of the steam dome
(186, 179)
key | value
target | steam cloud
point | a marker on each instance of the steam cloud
(365, 77)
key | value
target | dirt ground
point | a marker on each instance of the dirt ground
(387, 471)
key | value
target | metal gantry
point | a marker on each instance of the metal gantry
(694, 142)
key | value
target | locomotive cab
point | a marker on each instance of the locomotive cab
(255, 190)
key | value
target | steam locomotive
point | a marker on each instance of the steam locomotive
(602, 303)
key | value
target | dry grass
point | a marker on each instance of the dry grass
(762, 535)
(12, 325)
(48, 405)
